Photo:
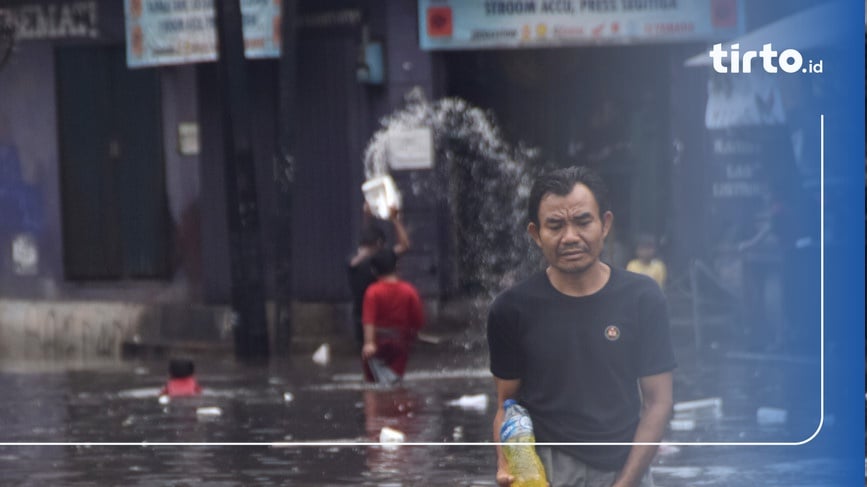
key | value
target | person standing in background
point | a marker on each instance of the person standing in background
(646, 262)
(359, 273)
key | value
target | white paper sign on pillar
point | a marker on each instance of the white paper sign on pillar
(411, 149)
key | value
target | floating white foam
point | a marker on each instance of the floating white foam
(425, 375)
(477, 402)
(209, 411)
(389, 435)
(143, 393)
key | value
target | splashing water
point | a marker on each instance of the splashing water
(482, 180)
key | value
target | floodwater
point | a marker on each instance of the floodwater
(295, 400)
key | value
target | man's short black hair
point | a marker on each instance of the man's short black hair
(372, 235)
(561, 182)
(383, 262)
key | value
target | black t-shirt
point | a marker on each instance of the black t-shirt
(360, 277)
(579, 358)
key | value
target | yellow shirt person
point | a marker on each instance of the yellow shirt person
(645, 261)
(655, 269)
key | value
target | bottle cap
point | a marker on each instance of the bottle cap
(509, 402)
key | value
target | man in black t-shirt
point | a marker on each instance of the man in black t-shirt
(583, 346)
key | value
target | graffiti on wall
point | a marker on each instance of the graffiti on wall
(21, 216)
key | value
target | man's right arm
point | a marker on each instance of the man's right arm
(400, 235)
(506, 389)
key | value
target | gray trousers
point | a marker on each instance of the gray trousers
(564, 470)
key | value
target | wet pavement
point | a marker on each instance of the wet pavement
(295, 400)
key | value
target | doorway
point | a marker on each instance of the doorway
(114, 204)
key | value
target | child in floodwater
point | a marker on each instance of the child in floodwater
(182, 380)
(392, 315)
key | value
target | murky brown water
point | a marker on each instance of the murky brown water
(118, 403)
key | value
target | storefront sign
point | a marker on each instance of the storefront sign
(480, 24)
(55, 20)
(160, 32)
(743, 164)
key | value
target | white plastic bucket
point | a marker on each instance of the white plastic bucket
(381, 194)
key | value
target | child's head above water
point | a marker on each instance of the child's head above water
(181, 368)
(181, 380)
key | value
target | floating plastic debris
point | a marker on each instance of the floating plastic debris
(389, 435)
(209, 411)
(142, 393)
(432, 339)
(322, 354)
(682, 424)
(382, 374)
(164, 399)
(458, 433)
(477, 401)
(770, 416)
(140, 371)
(288, 397)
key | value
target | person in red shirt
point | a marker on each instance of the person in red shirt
(182, 381)
(392, 315)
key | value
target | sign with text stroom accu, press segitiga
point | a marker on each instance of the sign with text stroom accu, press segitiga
(491, 24)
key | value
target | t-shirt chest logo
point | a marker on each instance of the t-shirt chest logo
(612, 333)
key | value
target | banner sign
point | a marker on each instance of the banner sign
(160, 32)
(485, 24)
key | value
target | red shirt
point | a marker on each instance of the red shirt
(393, 304)
(186, 386)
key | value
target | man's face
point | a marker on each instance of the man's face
(571, 232)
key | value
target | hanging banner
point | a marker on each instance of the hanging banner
(160, 32)
(485, 24)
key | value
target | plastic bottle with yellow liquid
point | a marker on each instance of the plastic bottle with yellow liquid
(521, 458)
